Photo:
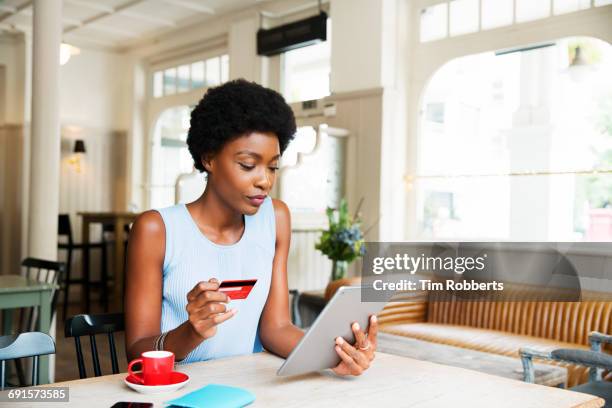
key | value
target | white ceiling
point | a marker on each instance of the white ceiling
(116, 23)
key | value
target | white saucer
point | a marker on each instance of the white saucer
(180, 380)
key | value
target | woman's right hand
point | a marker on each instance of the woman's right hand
(206, 307)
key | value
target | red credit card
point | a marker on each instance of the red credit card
(237, 289)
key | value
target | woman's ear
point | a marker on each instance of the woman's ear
(207, 163)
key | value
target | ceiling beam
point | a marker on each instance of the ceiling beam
(67, 20)
(93, 6)
(191, 5)
(148, 18)
(111, 29)
(108, 11)
(14, 10)
(82, 39)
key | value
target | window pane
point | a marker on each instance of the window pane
(496, 13)
(158, 84)
(314, 183)
(567, 6)
(433, 22)
(527, 10)
(183, 78)
(490, 122)
(463, 17)
(224, 68)
(197, 75)
(306, 72)
(170, 81)
(213, 71)
(170, 156)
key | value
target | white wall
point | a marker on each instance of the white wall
(95, 107)
(13, 146)
(368, 87)
(94, 90)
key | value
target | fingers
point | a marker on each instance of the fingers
(207, 327)
(358, 357)
(373, 332)
(360, 337)
(352, 366)
(209, 296)
(220, 318)
(208, 309)
(212, 284)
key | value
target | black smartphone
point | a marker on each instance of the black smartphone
(124, 404)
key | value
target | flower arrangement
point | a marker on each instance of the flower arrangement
(343, 241)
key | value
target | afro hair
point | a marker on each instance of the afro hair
(234, 109)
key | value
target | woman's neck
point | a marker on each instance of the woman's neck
(212, 212)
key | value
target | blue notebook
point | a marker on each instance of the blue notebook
(214, 395)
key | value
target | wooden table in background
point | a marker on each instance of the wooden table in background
(17, 291)
(119, 220)
(391, 381)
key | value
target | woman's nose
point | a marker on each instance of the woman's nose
(264, 180)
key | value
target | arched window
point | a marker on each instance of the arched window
(517, 145)
(170, 157)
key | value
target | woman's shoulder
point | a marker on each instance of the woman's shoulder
(281, 211)
(150, 221)
(155, 221)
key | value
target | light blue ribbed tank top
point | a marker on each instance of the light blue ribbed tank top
(191, 257)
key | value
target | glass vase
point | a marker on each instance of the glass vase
(338, 270)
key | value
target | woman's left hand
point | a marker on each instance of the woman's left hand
(356, 358)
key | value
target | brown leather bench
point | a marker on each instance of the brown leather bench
(496, 327)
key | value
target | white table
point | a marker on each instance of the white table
(391, 381)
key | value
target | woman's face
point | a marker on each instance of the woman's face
(244, 171)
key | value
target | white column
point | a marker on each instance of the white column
(45, 137)
(366, 57)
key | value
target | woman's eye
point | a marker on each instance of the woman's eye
(246, 166)
(274, 169)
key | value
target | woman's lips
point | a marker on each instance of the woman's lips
(257, 200)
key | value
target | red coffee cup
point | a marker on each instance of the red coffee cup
(157, 367)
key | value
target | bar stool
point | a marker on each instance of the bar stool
(108, 238)
(65, 230)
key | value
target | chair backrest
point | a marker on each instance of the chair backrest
(31, 344)
(90, 325)
(41, 270)
(64, 228)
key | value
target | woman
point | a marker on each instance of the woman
(178, 255)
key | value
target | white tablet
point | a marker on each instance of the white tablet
(316, 349)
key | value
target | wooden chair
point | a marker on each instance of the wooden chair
(30, 344)
(91, 325)
(596, 359)
(64, 229)
(41, 270)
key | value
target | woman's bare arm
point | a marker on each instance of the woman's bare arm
(143, 292)
(278, 334)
